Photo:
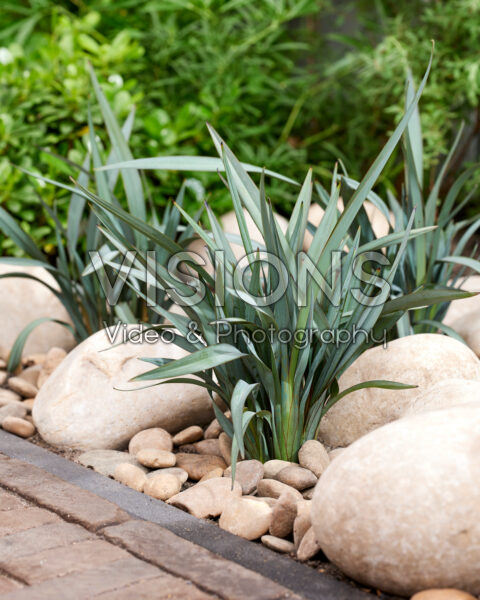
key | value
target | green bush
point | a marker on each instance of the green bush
(364, 96)
(234, 64)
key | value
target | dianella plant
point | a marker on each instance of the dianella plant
(271, 334)
(440, 259)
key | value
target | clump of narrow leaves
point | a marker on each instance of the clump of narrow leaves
(277, 386)
(437, 261)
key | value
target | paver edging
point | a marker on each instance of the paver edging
(297, 577)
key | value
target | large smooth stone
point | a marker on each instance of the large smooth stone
(24, 300)
(460, 308)
(399, 509)
(422, 360)
(82, 405)
(464, 315)
(445, 394)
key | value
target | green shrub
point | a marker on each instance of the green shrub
(364, 84)
(234, 64)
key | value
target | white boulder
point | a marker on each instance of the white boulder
(24, 300)
(422, 360)
(84, 405)
(399, 509)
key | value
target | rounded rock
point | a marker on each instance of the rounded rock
(247, 518)
(313, 456)
(274, 489)
(208, 498)
(155, 459)
(12, 409)
(162, 486)
(188, 435)
(283, 515)
(213, 430)
(130, 475)
(308, 546)
(278, 544)
(7, 396)
(303, 521)
(217, 472)
(445, 594)
(420, 528)
(297, 477)
(225, 447)
(180, 473)
(274, 466)
(106, 461)
(248, 473)
(84, 404)
(422, 360)
(23, 387)
(198, 465)
(206, 447)
(155, 437)
(18, 426)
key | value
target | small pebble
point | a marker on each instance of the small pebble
(31, 374)
(249, 519)
(155, 459)
(18, 426)
(308, 546)
(213, 430)
(198, 465)
(12, 409)
(207, 447)
(442, 594)
(248, 473)
(155, 437)
(217, 472)
(7, 396)
(180, 473)
(188, 435)
(22, 387)
(274, 489)
(313, 456)
(274, 466)
(284, 514)
(226, 448)
(297, 477)
(278, 544)
(3, 363)
(131, 476)
(163, 486)
(303, 521)
(207, 499)
(3, 377)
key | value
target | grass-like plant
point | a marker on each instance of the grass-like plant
(265, 353)
(440, 258)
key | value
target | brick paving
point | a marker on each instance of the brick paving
(58, 540)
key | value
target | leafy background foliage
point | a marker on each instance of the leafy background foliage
(289, 83)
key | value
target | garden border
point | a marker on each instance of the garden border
(299, 578)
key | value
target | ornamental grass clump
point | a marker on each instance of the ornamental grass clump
(439, 259)
(272, 333)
